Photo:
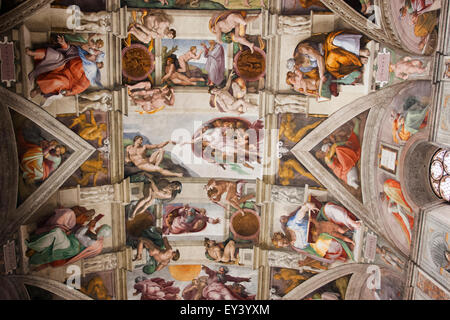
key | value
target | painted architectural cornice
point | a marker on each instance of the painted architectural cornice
(17, 15)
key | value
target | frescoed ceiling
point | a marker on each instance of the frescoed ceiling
(225, 150)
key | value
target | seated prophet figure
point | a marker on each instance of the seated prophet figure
(69, 220)
(60, 247)
(68, 70)
(328, 229)
(343, 53)
(342, 157)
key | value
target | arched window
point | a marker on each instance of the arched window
(440, 174)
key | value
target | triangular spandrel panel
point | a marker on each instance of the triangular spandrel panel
(81, 150)
(39, 154)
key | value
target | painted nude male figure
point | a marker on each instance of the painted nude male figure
(216, 188)
(89, 130)
(136, 153)
(226, 102)
(224, 24)
(151, 99)
(161, 256)
(153, 26)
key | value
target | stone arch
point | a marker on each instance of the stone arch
(324, 278)
(52, 286)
